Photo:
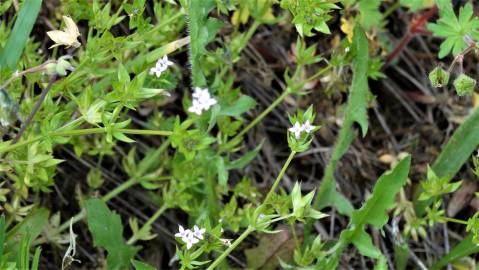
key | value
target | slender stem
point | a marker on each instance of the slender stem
(147, 224)
(231, 248)
(34, 110)
(455, 220)
(280, 176)
(295, 235)
(262, 115)
(125, 185)
(85, 131)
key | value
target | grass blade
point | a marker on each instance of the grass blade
(464, 248)
(17, 40)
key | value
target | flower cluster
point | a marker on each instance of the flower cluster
(202, 101)
(161, 65)
(190, 237)
(297, 128)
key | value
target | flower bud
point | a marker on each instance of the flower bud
(439, 77)
(464, 85)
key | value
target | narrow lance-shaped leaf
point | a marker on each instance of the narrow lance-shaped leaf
(17, 40)
(355, 112)
(373, 212)
(464, 248)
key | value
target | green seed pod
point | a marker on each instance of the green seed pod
(439, 77)
(464, 85)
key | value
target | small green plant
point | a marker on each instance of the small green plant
(158, 100)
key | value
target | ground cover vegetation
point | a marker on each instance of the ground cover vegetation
(239, 134)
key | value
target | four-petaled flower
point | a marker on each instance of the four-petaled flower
(190, 240)
(307, 127)
(296, 129)
(190, 237)
(182, 232)
(202, 101)
(198, 233)
(161, 65)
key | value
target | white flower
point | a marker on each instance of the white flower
(68, 37)
(296, 129)
(226, 242)
(307, 127)
(198, 233)
(190, 240)
(182, 232)
(161, 65)
(202, 101)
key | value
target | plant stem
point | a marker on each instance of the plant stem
(231, 248)
(122, 187)
(86, 131)
(455, 220)
(147, 224)
(295, 236)
(262, 115)
(280, 176)
(34, 110)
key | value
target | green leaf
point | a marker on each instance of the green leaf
(457, 151)
(202, 31)
(241, 105)
(2, 236)
(370, 16)
(453, 28)
(374, 212)
(355, 112)
(241, 162)
(414, 5)
(141, 265)
(107, 231)
(17, 40)
(464, 248)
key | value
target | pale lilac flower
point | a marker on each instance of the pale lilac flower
(296, 129)
(307, 127)
(190, 240)
(182, 232)
(198, 233)
(161, 65)
(202, 101)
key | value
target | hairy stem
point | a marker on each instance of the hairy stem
(147, 224)
(280, 176)
(223, 255)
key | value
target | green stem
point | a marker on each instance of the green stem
(262, 115)
(455, 220)
(86, 131)
(231, 248)
(280, 176)
(147, 224)
(122, 187)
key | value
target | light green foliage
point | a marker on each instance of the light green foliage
(414, 5)
(464, 85)
(439, 77)
(302, 205)
(107, 231)
(373, 212)
(464, 248)
(454, 28)
(10, 54)
(310, 14)
(435, 186)
(355, 112)
(141, 265)
(473, 227)
(370, 16)
(301, 119)
(202, 30)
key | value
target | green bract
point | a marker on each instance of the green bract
(464, 85)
